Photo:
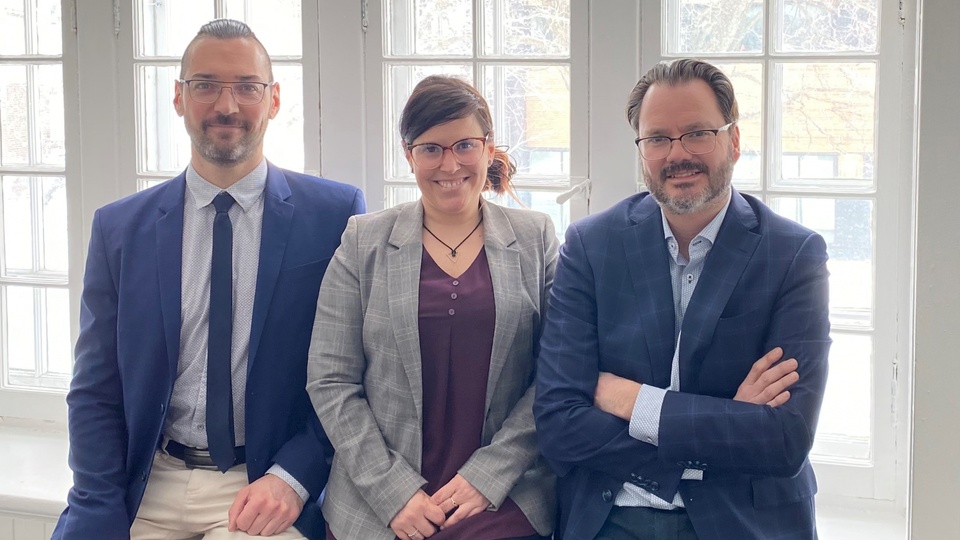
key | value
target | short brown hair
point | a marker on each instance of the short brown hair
(224, 29)
(680, 71)
(439, 99)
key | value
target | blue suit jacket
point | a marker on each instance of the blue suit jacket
(611, 309)
(128, 349)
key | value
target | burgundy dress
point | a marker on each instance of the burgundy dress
(457, 320)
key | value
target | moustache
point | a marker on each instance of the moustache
(685, 166)
(224, 120)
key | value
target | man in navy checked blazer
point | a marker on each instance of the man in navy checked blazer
(651, 404)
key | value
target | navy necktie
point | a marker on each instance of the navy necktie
(220, 439)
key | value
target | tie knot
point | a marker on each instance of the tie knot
(223, 202)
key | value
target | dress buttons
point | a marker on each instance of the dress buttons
(456, 282)
(452, 311)
(606, 495)
(453, 296)
(654, 486)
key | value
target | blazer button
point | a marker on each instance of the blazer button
(684, 464)
(607, 495)
(654, 485)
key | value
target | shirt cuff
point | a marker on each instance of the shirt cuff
(645, 420)
(282, 474)
(692, 474)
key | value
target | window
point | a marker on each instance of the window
(518, 54)
(808, 80)
(34, 266)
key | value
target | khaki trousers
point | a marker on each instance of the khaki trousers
(181, 503)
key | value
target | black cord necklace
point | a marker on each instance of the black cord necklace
(453, 250)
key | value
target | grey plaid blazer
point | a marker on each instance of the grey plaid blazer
(364, 372)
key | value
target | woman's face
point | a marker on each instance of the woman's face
(452, 188)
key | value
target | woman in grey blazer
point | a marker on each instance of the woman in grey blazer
(425, 341)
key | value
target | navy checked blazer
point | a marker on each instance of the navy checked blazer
(764, 285)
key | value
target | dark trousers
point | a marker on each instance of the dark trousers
(640, 523)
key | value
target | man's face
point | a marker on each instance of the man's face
(224, 133)
(685, 183)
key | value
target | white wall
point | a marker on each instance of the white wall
(935, 484)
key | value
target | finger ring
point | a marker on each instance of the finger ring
(453, 502)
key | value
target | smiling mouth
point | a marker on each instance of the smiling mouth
(680, 175)
(450, 184)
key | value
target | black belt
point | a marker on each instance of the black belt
(197, 458)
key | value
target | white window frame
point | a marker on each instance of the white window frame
(879, 485)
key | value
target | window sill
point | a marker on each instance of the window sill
(36, 486)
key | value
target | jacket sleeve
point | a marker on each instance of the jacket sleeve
(335, 374)
(735, 437)
(572, 432)
(96, 506)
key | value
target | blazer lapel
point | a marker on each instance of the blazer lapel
(649, 268)
(275, 232)
(504, 263)
(169, 265)
(403, 281)
(735, 244)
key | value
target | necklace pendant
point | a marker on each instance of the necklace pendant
(452, 255)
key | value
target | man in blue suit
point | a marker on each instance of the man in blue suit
(188, 412)
(651, 403)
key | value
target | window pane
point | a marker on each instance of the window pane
(276, 23)
(38, 345)
(283, 142)
(747, 79)
(827, 125)
(400, 194)
(531, 111)
(53, 201)
(17, 225)
(14, 128)
(840, 26)
(400, 82)
(428, 27)
(168, 26)
(28, 201)
(526, 27)
(847, 226)
(19, 315)
(12, 27)
(844, 427)
(541, 201)
(47, 27)
(714, 27)
(164, 144)
(49, 111)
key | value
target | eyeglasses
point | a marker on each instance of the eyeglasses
(245, 92)
(466, 151)
(701, 141)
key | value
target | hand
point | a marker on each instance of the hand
(461, 496)
(768, 385)
(419, 518)
(616, 395)
(266, 507)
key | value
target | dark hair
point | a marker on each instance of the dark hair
(224, 29)
(439, 99)
(680, 71)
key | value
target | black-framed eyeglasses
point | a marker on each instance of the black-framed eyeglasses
(207, 91)
(466, 151)
(701, 141)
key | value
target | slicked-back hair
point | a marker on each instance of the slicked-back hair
(678, 72)
(439, 99)
(224, 29)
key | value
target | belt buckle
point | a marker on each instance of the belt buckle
(194, 458)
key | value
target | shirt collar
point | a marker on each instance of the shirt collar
(245, 191)
(709, 232)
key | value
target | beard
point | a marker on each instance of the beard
(718, 185)
(221, 151)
